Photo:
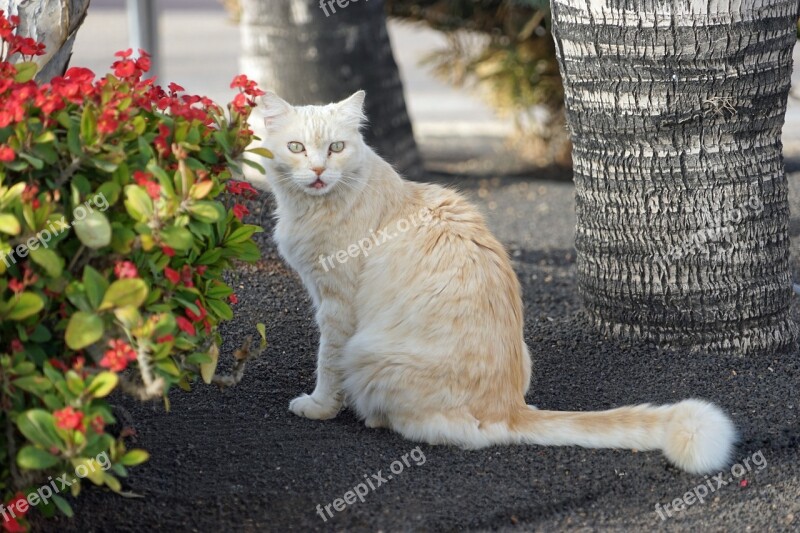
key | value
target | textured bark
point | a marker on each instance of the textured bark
(675, 109)
(52, 22)
(293, 48)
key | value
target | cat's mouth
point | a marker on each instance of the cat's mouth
(319, 184)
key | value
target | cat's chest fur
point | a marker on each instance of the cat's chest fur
(309, 245)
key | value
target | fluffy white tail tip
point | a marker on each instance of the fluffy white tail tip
(699, 437)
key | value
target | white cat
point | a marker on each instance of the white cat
(421, 330)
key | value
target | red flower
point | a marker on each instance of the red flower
(239, 211)
(153, 189)
(7, 154)
(16, 285)
(194, 317)
(247, 87)
(15, 501)
(186, 276)
(68, 418)
(125, 269)
(240, 103)
(239, 81)
(185, 325)
(175, 88)
(172, 275)
(108, 123)
(12, 525)
(143, 63)
(98, 424)
(59, 364)
(124, 54)
(141, 177)
(16, 346)
(29, 193)
(166, 250)
(165, 339)
(241, 188)
(118, 355)
(201, 269)
(26, 46)
(233, 299)
(124, 69)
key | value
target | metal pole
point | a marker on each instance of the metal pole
(143, 30)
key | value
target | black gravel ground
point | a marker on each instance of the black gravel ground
(237, 460)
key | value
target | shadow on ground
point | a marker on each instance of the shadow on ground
(237, 460)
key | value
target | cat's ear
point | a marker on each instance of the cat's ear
(272, 107)
(352, 109)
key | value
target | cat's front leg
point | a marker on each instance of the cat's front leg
(326, 400)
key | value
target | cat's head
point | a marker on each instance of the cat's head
(317, 149)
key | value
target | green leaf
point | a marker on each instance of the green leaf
(38, 426)
(220, 308)
(125, 292)
(9, 224)
(177, 238)
(95, 285)
(34, 458)
(102, 384)
(88, 124)
(110, 191)
(93, 230)
(243, 233)
(262, 331)
(25, 305)
(25, 71)
(83, 329)
(138, 203)
(63, 506)
(252, 164)
(204, 211)
(48, 260)
(263, 152)
(134, 457)
(207, 369)
(37, 385)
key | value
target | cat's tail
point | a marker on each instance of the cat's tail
(694, 435)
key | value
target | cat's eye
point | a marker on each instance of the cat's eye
(337, 147)
(296, 147)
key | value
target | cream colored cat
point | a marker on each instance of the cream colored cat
(421, 329)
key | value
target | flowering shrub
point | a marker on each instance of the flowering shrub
(113, 240)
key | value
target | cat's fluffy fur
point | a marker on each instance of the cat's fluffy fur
(424, 333)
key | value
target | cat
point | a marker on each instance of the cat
(421, 331)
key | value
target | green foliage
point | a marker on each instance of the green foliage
(113, 240)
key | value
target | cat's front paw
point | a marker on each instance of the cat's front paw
(310, 407)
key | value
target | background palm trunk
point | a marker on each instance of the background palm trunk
(294, 49)
(52, 22)
(675, 114)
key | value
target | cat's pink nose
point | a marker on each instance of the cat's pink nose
(318, 170)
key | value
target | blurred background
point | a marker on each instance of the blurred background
(479, 78)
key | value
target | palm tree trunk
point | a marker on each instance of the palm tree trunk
(675, 111)
(308, 57)
(54, 23)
